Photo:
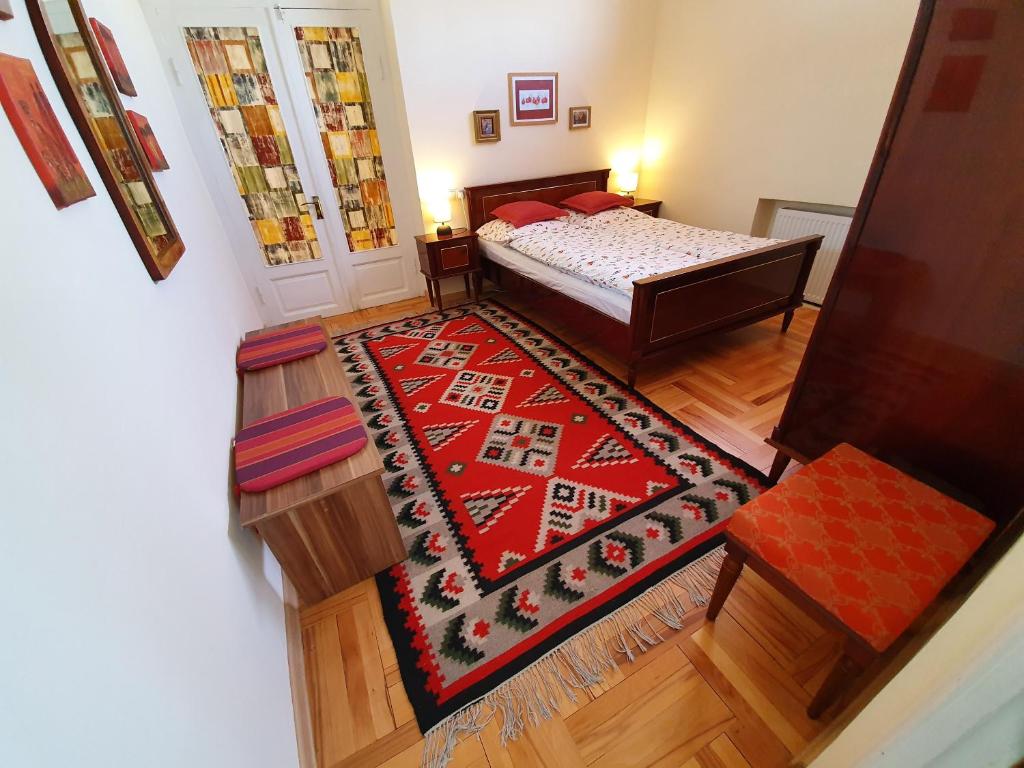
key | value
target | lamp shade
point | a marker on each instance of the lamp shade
(628, 182)
(441, 210)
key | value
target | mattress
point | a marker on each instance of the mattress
(613, 303)
(614, 248)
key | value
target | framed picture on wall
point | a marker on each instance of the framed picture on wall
(112, 55)
(486, 125)
(533, 98)
(73, 53)
(579, 117)
(40, 133)
(146, 137)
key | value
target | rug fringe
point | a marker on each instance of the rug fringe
(533, 694)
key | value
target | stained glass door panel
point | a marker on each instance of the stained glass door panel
(233, 75)
(332, 60)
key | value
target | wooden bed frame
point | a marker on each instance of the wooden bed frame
(670, 308)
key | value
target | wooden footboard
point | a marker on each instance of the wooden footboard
(730, 293)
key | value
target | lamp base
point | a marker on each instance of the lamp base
(444, 230)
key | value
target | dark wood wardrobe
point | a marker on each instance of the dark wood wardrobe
(918, 353)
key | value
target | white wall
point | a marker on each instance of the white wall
(138, 629)
(959, 701)
(754, 100)
(455, 56)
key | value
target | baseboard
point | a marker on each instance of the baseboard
(297, 677)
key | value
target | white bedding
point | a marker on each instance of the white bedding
(613, 248)
(612, 303)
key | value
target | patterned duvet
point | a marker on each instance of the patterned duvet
(616, 247)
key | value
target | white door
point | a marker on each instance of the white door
(310, 239)
(386, 271)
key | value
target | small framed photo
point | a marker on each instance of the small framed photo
(533, 98)
(579, 117)
(486, 125)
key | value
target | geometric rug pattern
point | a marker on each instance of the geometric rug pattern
(535, 493)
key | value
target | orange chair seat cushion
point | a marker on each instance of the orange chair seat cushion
(869, 544)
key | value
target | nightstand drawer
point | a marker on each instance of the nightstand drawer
(454, 257)
(650, 207)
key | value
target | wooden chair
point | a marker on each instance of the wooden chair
(862, 547)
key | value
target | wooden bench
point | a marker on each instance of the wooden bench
(333, 527)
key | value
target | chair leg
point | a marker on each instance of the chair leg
(731, 569)
(779, 465)
(846, 670)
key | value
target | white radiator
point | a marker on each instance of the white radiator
(790, 223)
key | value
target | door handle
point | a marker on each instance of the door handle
(313, 202)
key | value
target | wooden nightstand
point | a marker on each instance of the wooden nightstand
(449, 257)
(650, 207)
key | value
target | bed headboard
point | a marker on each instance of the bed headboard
(483, 199)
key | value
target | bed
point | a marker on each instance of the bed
(665, 310)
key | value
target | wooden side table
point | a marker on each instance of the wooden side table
(650, 207)
(450, 256)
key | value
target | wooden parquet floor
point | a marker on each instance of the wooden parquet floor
(725, 695)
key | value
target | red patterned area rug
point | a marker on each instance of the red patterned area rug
(547, 508)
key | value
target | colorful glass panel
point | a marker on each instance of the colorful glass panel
(233, 74)
(332, 58)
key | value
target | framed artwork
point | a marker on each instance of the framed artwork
(73, 54)
(112, 55)
(147, 139)
(486, 125)
(533, 98)
(40, 133)
(579, 117)
(6, 13)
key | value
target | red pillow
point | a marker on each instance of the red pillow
(595, 202)
(524, 212)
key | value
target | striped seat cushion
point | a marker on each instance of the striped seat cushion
(296, 442)
(280, 346)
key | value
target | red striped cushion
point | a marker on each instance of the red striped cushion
(280, 346)
(296, 442)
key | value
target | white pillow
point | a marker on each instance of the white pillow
(497, 231)
(612, 217)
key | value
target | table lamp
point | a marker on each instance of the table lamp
(628, 182)
(441, 211)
